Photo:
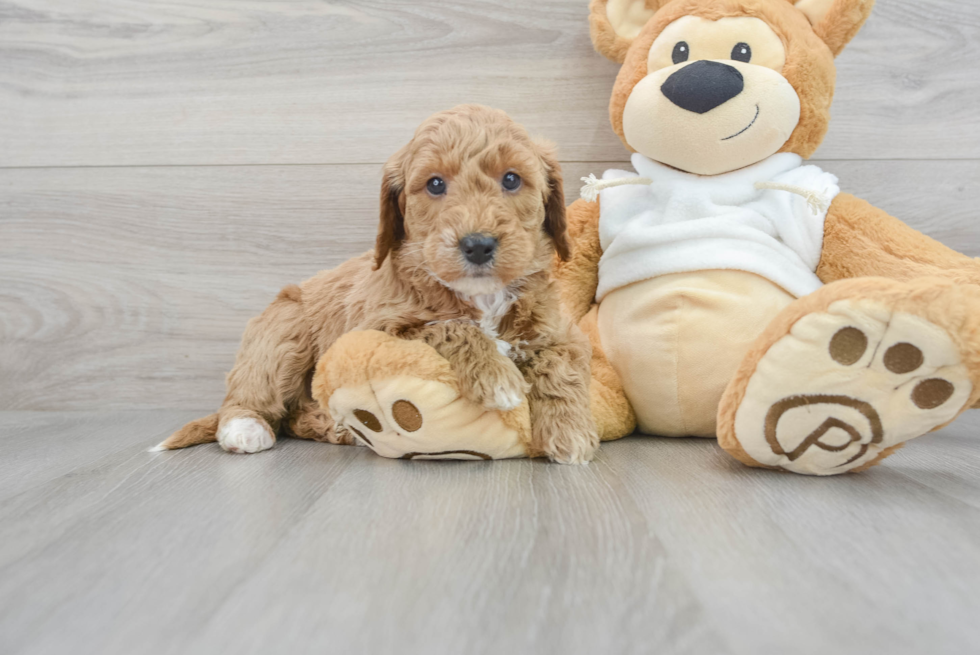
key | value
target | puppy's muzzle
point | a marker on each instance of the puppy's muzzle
(478, 248)
(703, 85)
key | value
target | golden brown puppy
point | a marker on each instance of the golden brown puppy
(472, 214)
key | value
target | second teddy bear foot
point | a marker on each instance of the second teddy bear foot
(400, 399)
(413, 418)
(850, 383)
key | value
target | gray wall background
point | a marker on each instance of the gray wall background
(165, 169)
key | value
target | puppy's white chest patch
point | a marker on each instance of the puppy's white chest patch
(493, 308)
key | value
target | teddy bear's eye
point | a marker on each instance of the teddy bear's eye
(436, 186)
(742, 52)
(681, 52)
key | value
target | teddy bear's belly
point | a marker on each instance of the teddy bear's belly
(677, 340)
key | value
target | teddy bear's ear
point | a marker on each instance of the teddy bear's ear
(615, 23)
(835, 21)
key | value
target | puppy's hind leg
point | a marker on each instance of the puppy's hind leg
(269, 375)
(309, 421)
(245, 432)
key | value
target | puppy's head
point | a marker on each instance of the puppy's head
(473, 202)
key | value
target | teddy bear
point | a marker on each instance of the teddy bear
(729, 289)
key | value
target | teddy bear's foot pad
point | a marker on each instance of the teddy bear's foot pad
(845, 385)
(410, 418)
(400, 399)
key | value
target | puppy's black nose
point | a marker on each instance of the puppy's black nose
(703, 85)
(478, 248)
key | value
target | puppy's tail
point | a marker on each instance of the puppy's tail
(203, 430)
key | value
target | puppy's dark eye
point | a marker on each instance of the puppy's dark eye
(511, 181)
(681, 52)
(742, 52)
(436, 186)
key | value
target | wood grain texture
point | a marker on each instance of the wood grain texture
(659, 546)
(862, 563)
(125, 82)
(130, 287)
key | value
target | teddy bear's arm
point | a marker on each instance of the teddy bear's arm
(578, 277)
(861, 240)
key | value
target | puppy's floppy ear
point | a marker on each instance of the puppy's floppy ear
(554, 201)
(836, 22)
(613, 24)
(391, 229)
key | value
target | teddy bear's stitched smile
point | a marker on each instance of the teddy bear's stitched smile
(745, 129)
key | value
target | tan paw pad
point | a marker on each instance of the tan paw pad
(406, 415)
(847, 383)
(403, 417)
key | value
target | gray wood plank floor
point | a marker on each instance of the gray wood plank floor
(659, 546)
(166, 167)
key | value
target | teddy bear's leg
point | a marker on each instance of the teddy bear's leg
(401, 399)
(845, 376)
(861, 240)
(612, 412)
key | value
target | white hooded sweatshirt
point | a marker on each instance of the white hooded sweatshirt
(684, 222)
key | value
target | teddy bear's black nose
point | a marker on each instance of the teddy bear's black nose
(703, 85)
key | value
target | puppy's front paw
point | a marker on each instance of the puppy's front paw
(507, 399)
(245, 435)
(498, 386)
(579, 449)
(566, 440)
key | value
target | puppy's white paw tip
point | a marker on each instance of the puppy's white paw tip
(245, 435)
(580, 457)
(506, 400)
